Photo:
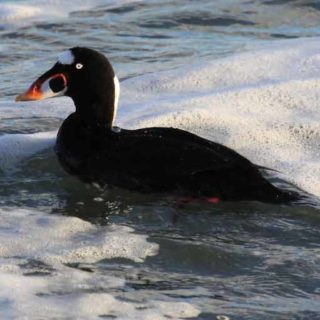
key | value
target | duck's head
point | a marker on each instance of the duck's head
(87, 77)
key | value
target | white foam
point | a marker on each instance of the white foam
(15, 148)
(29, 239)
(39, 10)
(12, 11)
(70, 296)
(55, 239)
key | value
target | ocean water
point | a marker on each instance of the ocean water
(242, 73)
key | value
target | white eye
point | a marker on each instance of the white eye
(79, 66)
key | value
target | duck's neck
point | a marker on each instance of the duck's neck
(95, 114)
(98, 111)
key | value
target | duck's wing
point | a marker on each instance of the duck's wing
(178, 150)
(172, 156)
(168, 157)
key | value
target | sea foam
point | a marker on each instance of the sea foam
(39, 10)
(56, 239)
(36, 281)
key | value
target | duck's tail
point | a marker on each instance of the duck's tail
(278, 191)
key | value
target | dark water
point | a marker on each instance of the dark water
(241, 260)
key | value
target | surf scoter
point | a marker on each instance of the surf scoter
(144, 160)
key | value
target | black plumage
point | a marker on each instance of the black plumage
(148, 159)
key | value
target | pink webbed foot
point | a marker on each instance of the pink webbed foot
(181, 202)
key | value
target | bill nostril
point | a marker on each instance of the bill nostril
(36, 86)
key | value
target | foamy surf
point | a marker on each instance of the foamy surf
(22, 13)
(57, 239)
(33, 243)
(55, 297)
(15, 148)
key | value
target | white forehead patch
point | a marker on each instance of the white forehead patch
(66, 57)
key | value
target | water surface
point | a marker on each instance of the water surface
(70, 251)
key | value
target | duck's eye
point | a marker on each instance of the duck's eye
(79, 66)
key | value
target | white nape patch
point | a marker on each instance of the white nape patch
(66, 57)
(116, 96)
